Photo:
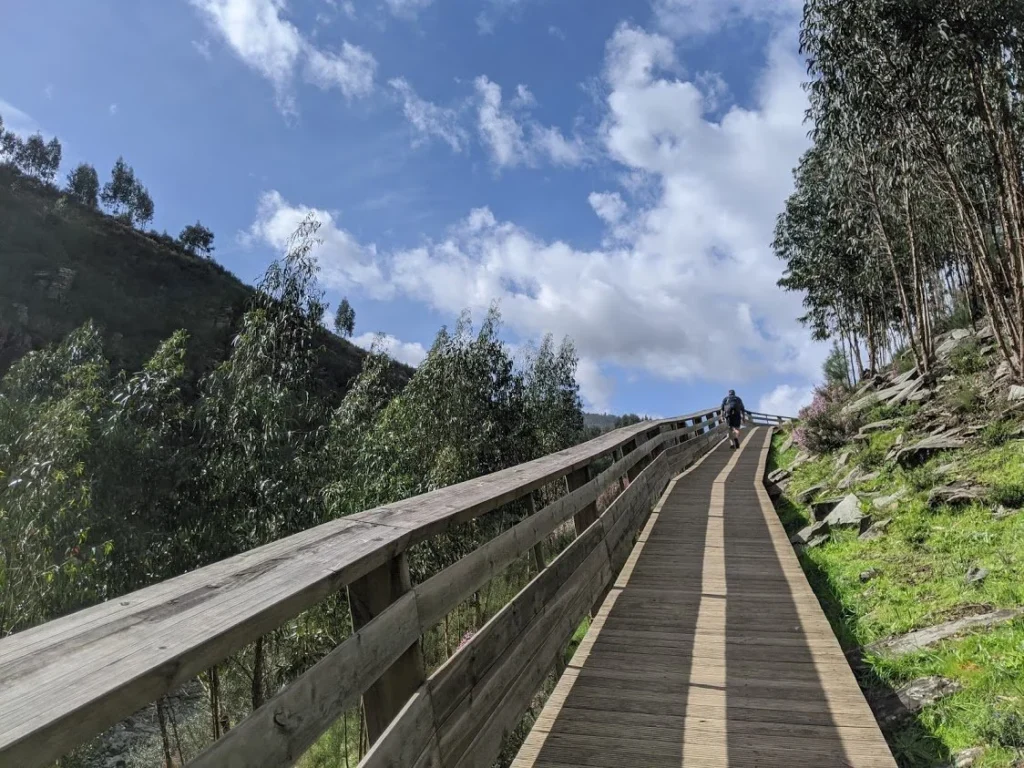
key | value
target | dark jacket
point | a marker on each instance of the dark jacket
(739, 404)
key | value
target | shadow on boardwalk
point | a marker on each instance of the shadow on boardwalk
(711, 650)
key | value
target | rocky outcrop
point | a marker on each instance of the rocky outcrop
(921, 451)
(876, 530)
(923, 638)
(912, 698)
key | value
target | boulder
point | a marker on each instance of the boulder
(883, 502)
(844, 458)
(1015, 393)
(805, 535)
(787, 444)
(976, 575)
(847, 514)
(876, 530)
(912, 698)
(817, 541)
(823, 508)
(805, 496)
(779, 475)
(921, 396)
(856, 476)
(868, 575)
(801, 458)
(1003, 371)
(923, 638)
(919, 452)
(956, 495)
(966, 758)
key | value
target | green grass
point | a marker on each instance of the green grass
(921, 564)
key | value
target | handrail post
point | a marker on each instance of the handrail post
(586, 516)
(368, 597)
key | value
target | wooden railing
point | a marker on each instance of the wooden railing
(766, 419)
(66, 681)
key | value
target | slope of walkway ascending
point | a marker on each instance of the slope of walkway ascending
(711, 650)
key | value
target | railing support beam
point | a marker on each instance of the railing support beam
(368, 597)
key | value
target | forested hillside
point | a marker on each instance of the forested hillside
(902, 485)
(157, 415)
(63, 263)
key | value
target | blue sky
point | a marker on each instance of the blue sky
(609, 171)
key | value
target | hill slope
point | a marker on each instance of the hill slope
(62, 264)
(907, 509)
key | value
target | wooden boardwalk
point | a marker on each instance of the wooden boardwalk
(711, 649)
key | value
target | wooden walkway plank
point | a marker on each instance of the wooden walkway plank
(711, 649)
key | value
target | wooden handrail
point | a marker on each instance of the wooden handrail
(66, 681)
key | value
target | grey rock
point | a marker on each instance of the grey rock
(913, 697)
(919, 452)
(1015, 393)
(817, 541)
(868, 575)
(956, 495)
(850, 479)
(945, 469)
(805, 535)
(967, 758)
(787, 444)
(823, 508)
(882, 502)
(876, 530)
(923, 638)
(847, 514)
(778, 475)
(921, 396)
(961, 333)
(976, 575)
(844, 458)
(805, 496)
(1003, 371)
(801, 458)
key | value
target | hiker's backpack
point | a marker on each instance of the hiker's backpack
(732, 406)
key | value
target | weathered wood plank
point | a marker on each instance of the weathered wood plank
(408, 738)
(280, 731)
(368, 598)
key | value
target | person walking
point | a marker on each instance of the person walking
(733, 411)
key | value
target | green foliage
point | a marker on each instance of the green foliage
(966, 359)
(38, 157)
(125, 197)
(965, 396)
(345, 319)
(836, 369)
(84, 185)
(195, 238)
(998, 432)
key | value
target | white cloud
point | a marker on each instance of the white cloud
(556, 32)
(691, 18)
(48, 91)
(264, 40)
(786, 400)
(430, 120)
(609, 206)
(515, 139)
(687, 288)
(596, 389)
(411, 353)
(351, 70)
(344, 263)
(407, 9)
(17, 121)
(113, 109)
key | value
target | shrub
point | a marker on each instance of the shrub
(965, 397)
(823, 426)
(998, 432)
(966, 358)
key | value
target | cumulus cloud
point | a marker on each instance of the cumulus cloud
(344, 262)
(264, 40)
(786, 400)
(688, 288)
(429, 119)
(513, 138)
(409, 352)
